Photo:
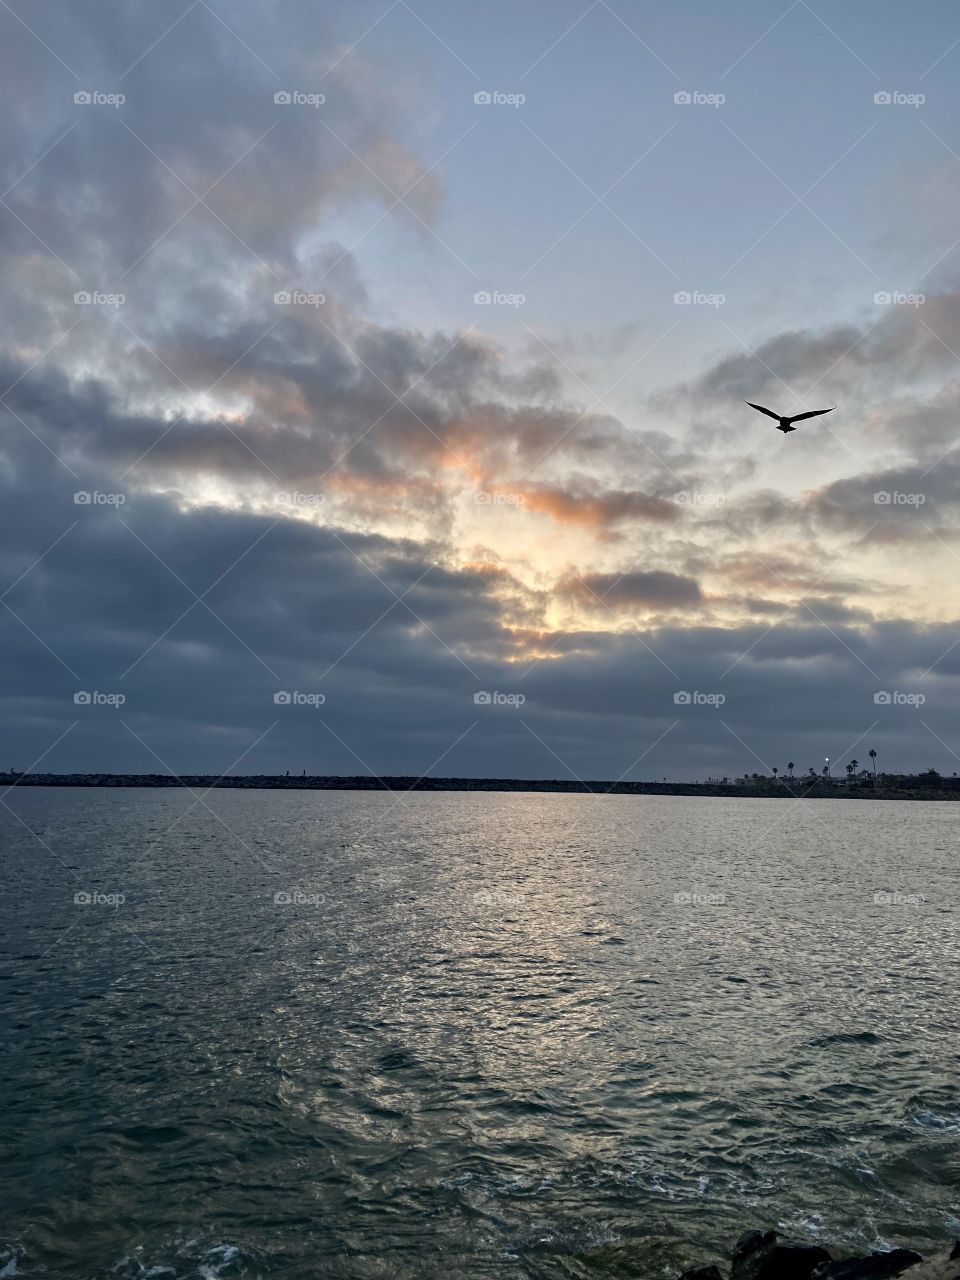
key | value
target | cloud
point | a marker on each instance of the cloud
(199, 122)
(634, 590)
(598, 510)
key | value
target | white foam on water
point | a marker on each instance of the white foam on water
(209, 1265)
(930, 1120)
(215, 1259)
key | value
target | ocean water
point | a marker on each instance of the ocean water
(468, 1035)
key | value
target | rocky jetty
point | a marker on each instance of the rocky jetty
(762, 788)
(765, 1255)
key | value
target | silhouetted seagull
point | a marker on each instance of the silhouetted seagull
(786, 424)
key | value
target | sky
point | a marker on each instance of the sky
(372, 385)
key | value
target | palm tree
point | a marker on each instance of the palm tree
(850, 772)
(856, 764)
(775, 772)
(873, 756)
(790, 767)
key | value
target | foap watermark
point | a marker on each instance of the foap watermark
(695, 298)
(95, 698)
(297, 98)
(498, 897)
(97, 899)
(487, 499)
(96, 298)
(483, 698)
(295, 498)
(94, 98)
(494, 98)
(897, 298)
(888, 498)
(898, 698)
(496, 298)
(696, 498)
(696, 98)
(297, 898)
(298, 298)
(94, 498)
(895, 98)
(699, 898)
(683, 698)
(894, 898)
(294, 698)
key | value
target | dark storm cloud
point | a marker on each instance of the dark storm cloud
(636, 589)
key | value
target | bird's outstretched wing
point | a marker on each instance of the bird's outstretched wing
(768, 412)
(814, 413)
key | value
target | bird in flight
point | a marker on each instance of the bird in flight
(786, 424)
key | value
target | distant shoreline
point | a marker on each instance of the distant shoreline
(785, 788)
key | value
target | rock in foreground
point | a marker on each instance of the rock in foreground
(764, 1255)
(876, 1266)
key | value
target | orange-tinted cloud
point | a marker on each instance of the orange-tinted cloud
(599, 510)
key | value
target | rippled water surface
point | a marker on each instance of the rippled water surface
(485, 1034)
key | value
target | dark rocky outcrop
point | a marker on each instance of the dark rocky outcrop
(762, 1255)
(876, 1266)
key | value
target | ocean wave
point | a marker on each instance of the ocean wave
(930, 1120)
